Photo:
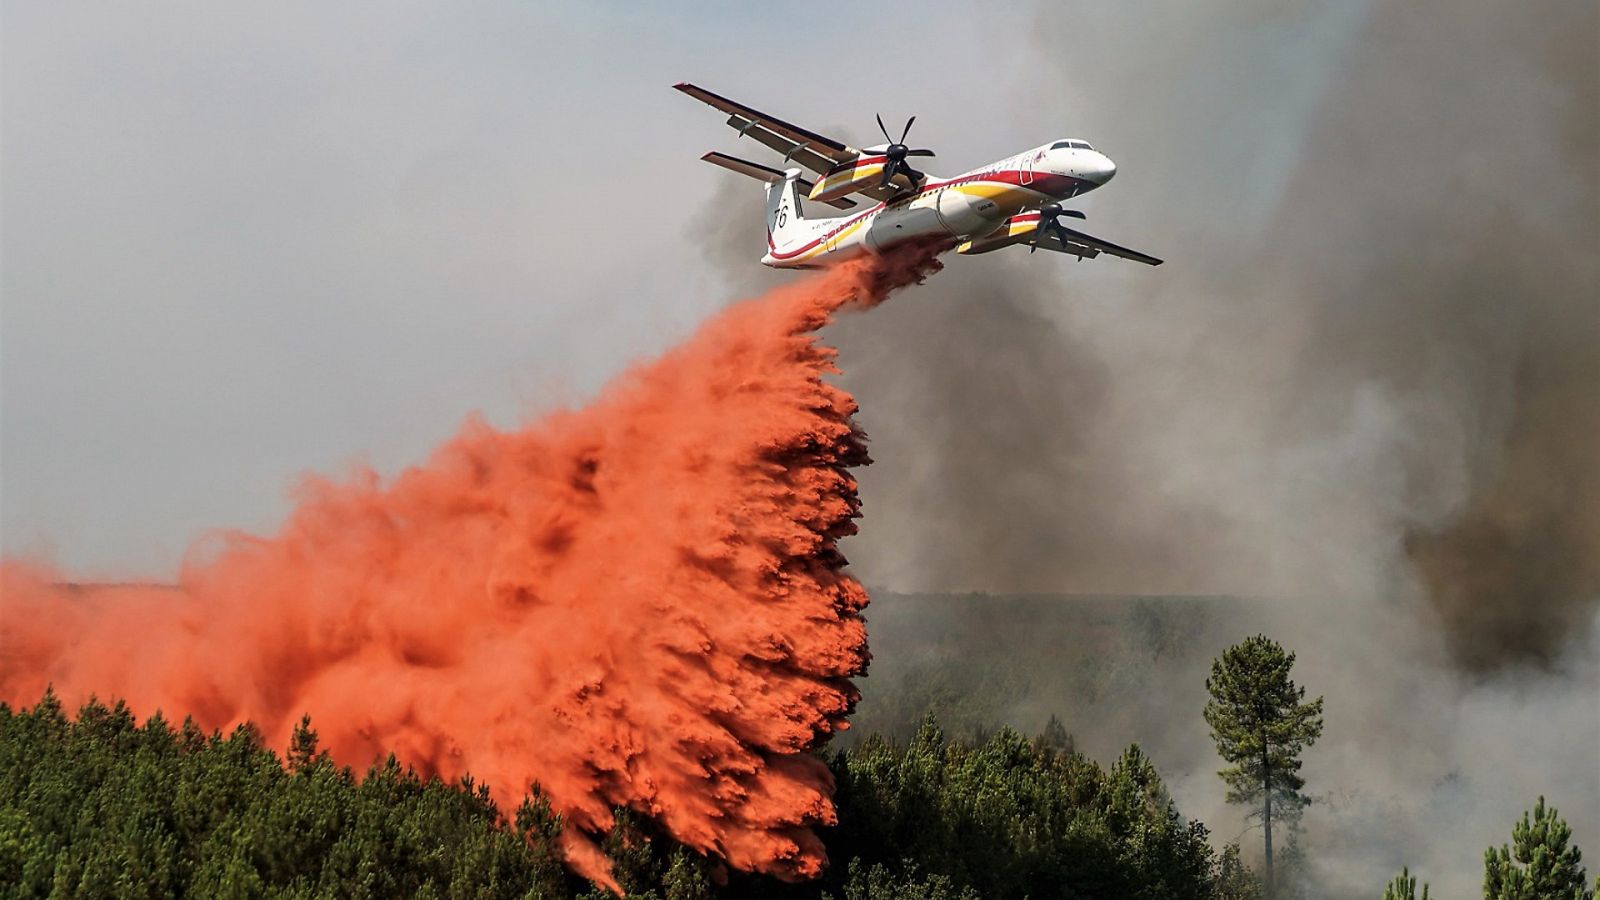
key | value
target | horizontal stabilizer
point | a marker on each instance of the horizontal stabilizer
(769, 175)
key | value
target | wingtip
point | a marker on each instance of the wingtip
(682, 86)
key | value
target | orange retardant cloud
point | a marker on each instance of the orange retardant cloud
(638, 603)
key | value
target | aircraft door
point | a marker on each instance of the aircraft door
(1027, 168)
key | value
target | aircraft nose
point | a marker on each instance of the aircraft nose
(1099, 168)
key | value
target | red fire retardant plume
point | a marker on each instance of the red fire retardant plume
(634, 604)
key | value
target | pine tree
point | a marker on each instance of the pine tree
(303, 755)
(1550, 868)
(1261, 726)
(1167, 857)
(1234, 880)
(1404, 887)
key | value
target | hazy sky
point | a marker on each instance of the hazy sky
(246, 240)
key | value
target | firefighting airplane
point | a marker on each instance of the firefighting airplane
(1013, 201)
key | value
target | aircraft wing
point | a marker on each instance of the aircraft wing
(814, 151)
(1085, 246)
(1020, 229)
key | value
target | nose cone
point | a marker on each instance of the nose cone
(1098, 168)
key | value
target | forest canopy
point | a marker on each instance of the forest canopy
(99, 805)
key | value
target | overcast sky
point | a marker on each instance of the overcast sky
(246, 240)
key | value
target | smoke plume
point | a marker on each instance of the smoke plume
(638, 603)
(1362, 390)
(1364, 315)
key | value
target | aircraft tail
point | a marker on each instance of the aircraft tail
(786, 224)
(788, 230)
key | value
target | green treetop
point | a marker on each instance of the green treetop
(1540, 864)
(1404, 887)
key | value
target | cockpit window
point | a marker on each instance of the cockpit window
(1071, 145)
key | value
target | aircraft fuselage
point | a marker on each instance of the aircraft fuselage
(965, 207)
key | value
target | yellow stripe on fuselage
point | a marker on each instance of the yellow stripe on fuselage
(1001, 192)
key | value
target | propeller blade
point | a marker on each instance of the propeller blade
(1047, 218)
(1047, 223)
(895, 153)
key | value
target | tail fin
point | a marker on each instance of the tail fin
(785, 221)
(787, 226)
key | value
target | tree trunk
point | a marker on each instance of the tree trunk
(1266, 818)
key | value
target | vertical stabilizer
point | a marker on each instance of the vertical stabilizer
(786, 226)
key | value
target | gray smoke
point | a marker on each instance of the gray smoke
(1375, 343)
(1365, 386)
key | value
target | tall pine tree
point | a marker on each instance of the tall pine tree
(1261, 726)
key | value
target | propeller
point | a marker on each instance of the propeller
(897, 152)
(1048, 214)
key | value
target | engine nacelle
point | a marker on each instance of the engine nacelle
(864, 171)
(1014, 230)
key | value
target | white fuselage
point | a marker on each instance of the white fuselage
(965, 207)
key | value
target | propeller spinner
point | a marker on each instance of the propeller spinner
(897, 151)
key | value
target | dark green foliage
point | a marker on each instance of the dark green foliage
(1013, 818)
(1540, 864)
(1404, 887)
(1261, 727)
(102, 807)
